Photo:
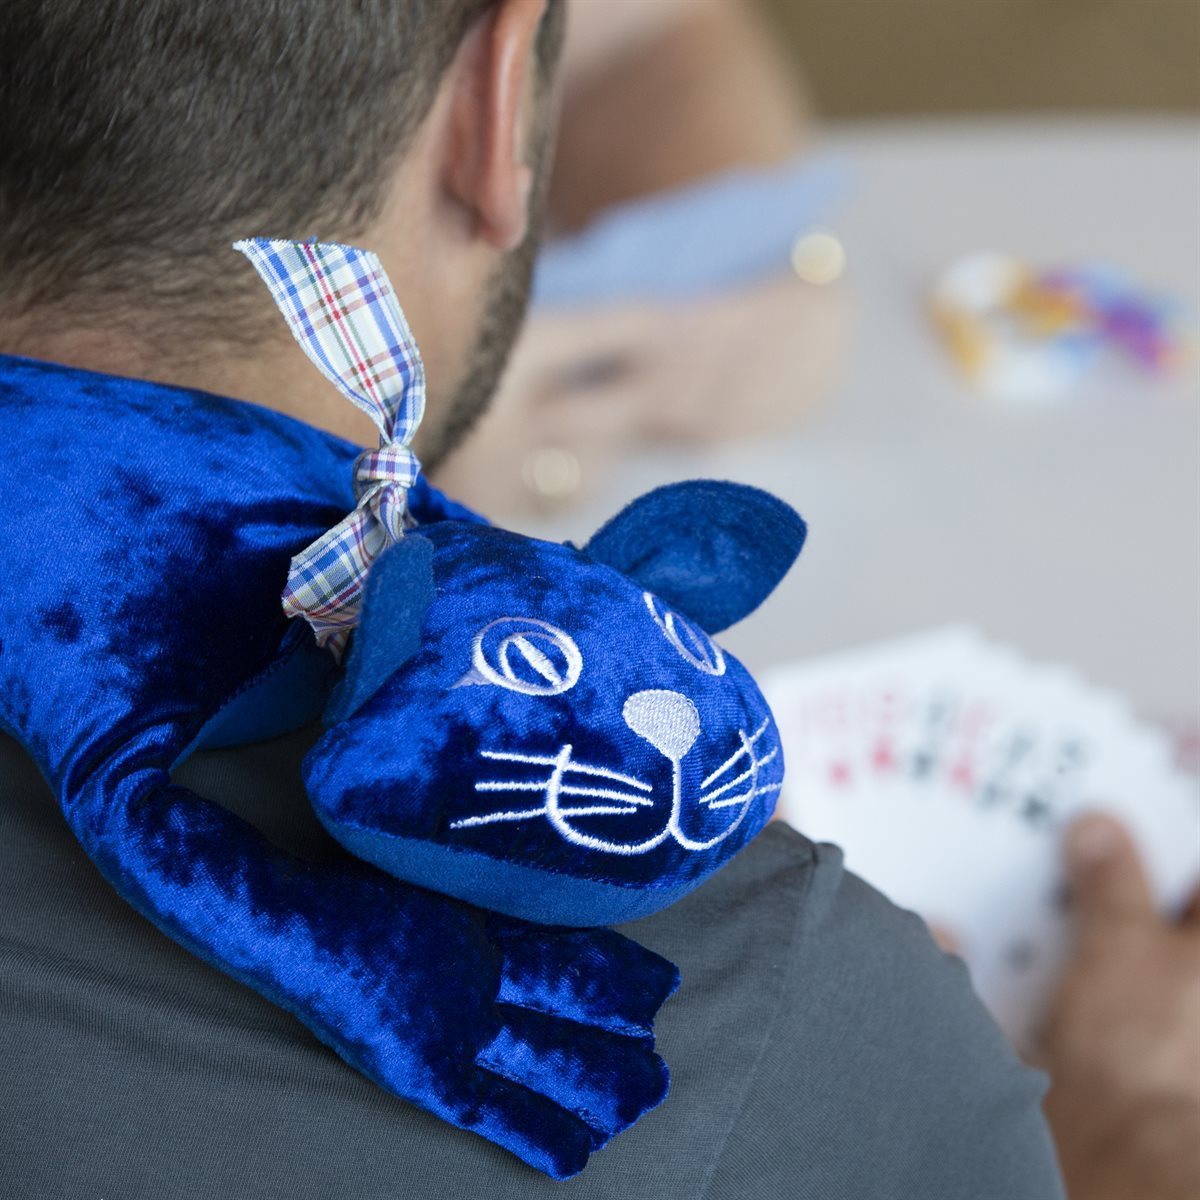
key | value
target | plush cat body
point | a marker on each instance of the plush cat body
(545, 732)
(526, 735)
(146, 536)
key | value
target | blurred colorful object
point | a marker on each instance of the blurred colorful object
(1023, 333)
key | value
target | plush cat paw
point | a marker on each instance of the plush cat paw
(574, 1040)
(540, 1040)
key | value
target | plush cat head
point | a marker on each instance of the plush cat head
(552, 732)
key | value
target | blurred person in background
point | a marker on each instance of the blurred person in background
(1122, 1040)
(658, 96)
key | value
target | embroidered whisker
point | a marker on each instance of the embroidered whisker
(533, 785)
(752, 769)
(746, 797)
(604, 794)
(513, 785)
(563, 767)
(536, 760)
(605, 773)
(595, 810)
(745, 748)
(572, 765)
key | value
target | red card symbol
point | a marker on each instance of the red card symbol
(883, 759)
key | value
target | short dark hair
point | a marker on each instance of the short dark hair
(136, 136)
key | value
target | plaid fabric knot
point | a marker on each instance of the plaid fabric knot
(341, 308)
(381, 481)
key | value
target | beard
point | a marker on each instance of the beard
(506, 296)
(506, 299)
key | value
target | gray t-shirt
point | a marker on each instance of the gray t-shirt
(821, 1046)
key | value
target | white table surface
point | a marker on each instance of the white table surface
(1070, 529)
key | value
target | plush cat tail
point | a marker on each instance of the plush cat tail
(398, 593)
(714, 551)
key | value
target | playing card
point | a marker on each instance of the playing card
(947, 769)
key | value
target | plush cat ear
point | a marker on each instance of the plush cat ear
(714, 551)
(398, 593)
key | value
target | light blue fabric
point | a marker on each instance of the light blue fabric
(705, 238)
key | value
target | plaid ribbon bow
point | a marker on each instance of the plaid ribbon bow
(340, 307)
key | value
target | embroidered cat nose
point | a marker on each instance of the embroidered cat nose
(667, 720)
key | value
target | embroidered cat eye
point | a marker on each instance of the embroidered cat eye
(526, 655)
(696, 647)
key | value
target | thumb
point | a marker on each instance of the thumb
(947, 940)
(1105, 873)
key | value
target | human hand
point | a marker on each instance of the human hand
(587, 386)
(1122, 1042)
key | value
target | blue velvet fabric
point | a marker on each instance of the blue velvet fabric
(714, 550)
(147, 533)
(564, 745)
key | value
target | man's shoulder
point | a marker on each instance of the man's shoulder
(882, 1074)
(85, 981)
(822, 1045)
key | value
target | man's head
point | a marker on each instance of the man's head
(139, 138)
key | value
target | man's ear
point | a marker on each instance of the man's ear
(398, 593)
(492, 118)
(714, 551)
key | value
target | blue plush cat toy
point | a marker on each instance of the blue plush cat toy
(527, 738)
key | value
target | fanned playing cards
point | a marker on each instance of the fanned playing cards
(947, 768)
